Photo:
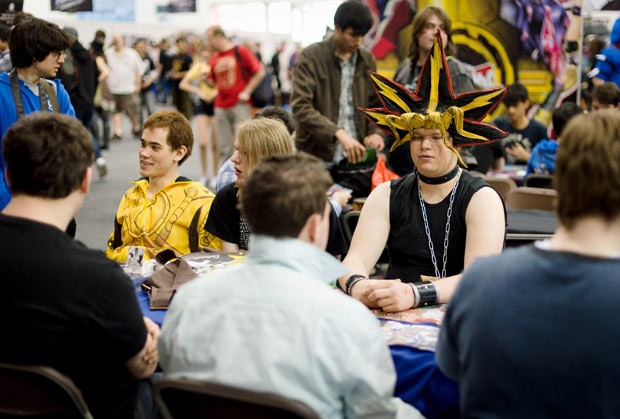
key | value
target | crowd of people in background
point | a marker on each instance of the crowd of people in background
(277, 171)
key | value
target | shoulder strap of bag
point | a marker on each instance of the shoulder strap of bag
(45, 91)
(46, 88)
(17, 94)
(238, 57)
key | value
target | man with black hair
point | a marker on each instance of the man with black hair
(37, 53)
(331, 81)
(523, 133)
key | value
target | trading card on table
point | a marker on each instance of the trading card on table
(135, 257)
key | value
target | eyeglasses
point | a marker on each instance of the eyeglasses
(57, 55)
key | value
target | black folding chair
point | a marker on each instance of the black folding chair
(536, 180)
(38, 391)
(178, 398)
(349, 222)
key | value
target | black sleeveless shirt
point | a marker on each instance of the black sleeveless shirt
(407, 242)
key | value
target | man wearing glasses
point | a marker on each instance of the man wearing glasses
(37, 52)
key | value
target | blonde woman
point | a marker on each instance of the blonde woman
(255, 140)
(195, 81)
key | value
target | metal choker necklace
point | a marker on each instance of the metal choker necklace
(441, 179)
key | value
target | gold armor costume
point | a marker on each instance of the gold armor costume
(173, 218)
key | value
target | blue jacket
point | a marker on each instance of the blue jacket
(608, 64)
(8, 116)
(542, 159)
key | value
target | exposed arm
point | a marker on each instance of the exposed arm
(354, 149)
(485, 236)
(190, 76)
(375, 140)
(370, 234)
(368, 242)
(149, 79)
(104, 71)
(229, 247)
(252, 84)
(143, 364)
(498, 164)
(486, 225)
(518, 152)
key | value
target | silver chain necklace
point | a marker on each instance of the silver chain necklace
(428, 230)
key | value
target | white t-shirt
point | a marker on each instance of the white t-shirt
(125, 66)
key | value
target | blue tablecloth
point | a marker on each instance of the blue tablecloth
(420, 383)
(156, 315)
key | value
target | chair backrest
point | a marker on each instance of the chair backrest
(536, 180)
(525, 197)
(37, 391)
(349, 222)
(503, 185)
(178, 398)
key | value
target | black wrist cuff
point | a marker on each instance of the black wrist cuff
(428, 294)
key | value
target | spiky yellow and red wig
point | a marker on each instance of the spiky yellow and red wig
(433, 105)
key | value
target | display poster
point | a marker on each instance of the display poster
(8, 8)
(71, 6)
(504, 40)
(113, 10)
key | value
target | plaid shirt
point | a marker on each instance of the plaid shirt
(5, 61)
(346, 116)
(225, 175)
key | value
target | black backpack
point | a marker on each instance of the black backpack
(263, 94)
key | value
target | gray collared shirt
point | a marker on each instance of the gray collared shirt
(346, 115)
(272, 324)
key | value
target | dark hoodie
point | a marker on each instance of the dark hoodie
(79, 76)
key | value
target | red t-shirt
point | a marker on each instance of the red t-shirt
(227, 75)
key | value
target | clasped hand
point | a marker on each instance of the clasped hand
(151, 355)
(389, 295)
(518, 152)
